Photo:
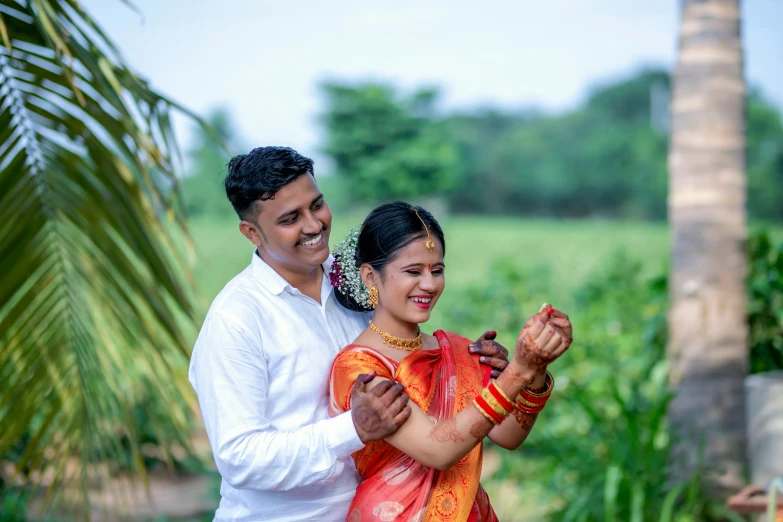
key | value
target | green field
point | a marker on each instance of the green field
(568, 250)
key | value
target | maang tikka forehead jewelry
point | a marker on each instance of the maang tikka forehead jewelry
(429, 244)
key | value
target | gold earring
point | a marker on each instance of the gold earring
(373, 296)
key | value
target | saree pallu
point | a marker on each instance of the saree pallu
(396, 487)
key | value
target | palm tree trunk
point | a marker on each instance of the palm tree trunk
(707, 322)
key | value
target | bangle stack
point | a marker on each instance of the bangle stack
(533, 402)
(493, 403)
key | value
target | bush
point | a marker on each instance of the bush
(602, 449)
(765, 302)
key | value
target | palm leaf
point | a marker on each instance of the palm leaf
(96, 307)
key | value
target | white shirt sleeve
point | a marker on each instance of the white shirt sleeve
(229, 373)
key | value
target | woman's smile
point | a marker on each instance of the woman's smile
(422, 301)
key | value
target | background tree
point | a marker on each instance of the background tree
(604, 158)
(202, 187)
(95, 303)
(387, 146)
(708, 332)
(764, 159)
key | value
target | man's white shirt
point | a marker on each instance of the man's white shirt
(260, 368)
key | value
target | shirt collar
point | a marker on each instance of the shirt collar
(274, 282)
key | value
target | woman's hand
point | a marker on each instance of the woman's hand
(545, 337)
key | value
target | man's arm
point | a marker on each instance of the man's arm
(230, 376)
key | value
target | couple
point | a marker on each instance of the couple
(310, 368)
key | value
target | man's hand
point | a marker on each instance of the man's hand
(544, 338)
(492, 352)
(379, 412)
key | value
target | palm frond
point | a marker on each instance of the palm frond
(95, 297)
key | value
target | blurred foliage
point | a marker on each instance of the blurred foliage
(602, 448)
(386, 145)
(208, 155)
(765, 302)
(764, 159)
(606, 158)
(161, 446)
(606, 441)
(602, 159)
(96, 304)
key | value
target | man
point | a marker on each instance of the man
(261, 362)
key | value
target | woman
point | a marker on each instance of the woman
(429, 470)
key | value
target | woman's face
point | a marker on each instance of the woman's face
(412, 283)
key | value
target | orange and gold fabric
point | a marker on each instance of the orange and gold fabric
(395, 486)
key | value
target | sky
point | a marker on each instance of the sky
(264, 59)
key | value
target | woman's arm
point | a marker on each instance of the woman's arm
(513, 431)
(442, 444)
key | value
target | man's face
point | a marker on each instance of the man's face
(292, 229)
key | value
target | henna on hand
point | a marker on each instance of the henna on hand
(560, 319)
(489, 335)
(445, 431)
(380, 412)
(545, 337)
(530, 355)
(492, 353)
(488, 349)
(494, 362)
(367, 419)
(514, 379)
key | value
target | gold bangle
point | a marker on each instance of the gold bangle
(493, 403)
(501, 392)
(484, 412)
(527, 403)
(550, 381)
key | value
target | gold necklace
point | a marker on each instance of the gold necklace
(409, 345)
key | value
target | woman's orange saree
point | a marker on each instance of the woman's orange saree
(395, 486)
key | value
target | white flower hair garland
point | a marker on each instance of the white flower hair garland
(345, 275)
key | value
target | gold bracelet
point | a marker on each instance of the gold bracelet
(527, 403)
(493, 403)
(549, 381)
(484, 412)
(501, 392)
